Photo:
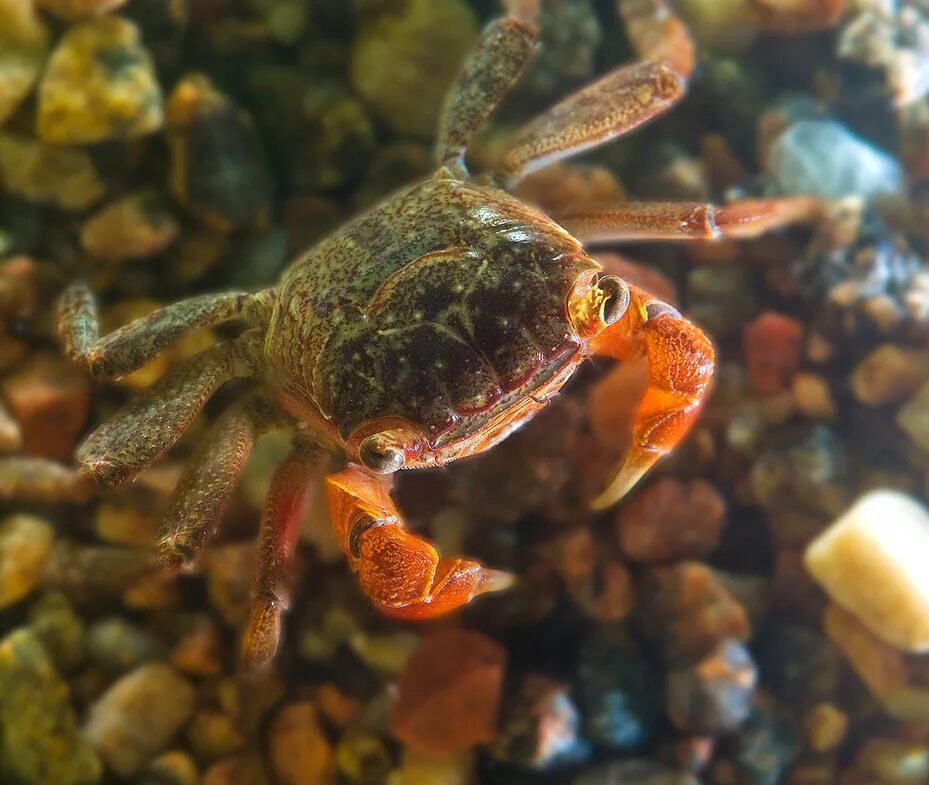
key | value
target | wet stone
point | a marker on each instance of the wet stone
(619, 691)
(404, 60)
(75, 10)
(229, 570)
(418, 769)
(48, 174)
(540, 727)
(100, 85)
(764, 748)
(913, 418)
(25, 543)
(40, 742)
(362, 758)
(825, 727)
(714, 695)
(799, 665)
(213, 735)
(240, 770)
(137, 226)
(299, 751)
(670, 520)
(197, 652)
(571, 32)
(61, 631)
(634, 772)
(171, 768)
(23, 47)
(137, 716)
(118, 646)
(889, 374)
(218, 170)
(771, 347)
(890, 762)
(449, 693)
(687, 609)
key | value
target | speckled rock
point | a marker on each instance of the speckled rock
(449, 692)
(61, 631)
(405, 59)
(218, 169)
(171, 768)
(100, 84)
(117, 645)
(137, 716)
(48, 174)
(25, 543)
(214, 734)
(135, 227)
(40, 742)
(362, 758)
(75, 10)
(300, 753)
(714, 695)
(23, 47)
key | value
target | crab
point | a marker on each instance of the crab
(422, 332)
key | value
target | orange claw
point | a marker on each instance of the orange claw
(402, 574)
(681, 361)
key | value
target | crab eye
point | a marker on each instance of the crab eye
(379, 453)
(615, 298)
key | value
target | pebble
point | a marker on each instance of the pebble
(771, 346)
(23, 48)
(48, 174)
(801, 667)
(170, 768)
(40, 742)
(634, 772)
(798, 17)
(362, 758)
(75, 10)
(240, 770)
(218, 169)
(572, 35)
(299, 751)
(619, 690)
(686, 610)
(449, 693)
(405, 59)
(117, 645)
(812, 396)
(714, 695)
(418, 769)
(670, 520)
(889, 762)
(823, 158)
(49, 398)
(197, 652)
(100, 85)
(765, 748)
(540, 727)
(825, 727)
(135, 227)
(913, 417)
(61, 631)
(229, 572)
(889, 374)
(213, 735)
(727, 25)
(25, 544)
(137, 716)
(872, 562)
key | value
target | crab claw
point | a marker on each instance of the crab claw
(402, 574)
(680, 360)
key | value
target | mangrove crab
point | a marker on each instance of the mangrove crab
(425, 330)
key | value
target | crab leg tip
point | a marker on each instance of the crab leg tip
(262, 635)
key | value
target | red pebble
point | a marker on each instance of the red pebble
(771, 346)
(670, 520)
(449, 693)
(798, 17)
(50, 399)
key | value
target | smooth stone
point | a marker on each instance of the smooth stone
(25, 542)
(23, 47)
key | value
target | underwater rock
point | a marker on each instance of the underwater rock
(823, 158)
(889, 762)
(771, 346)
(49, 174)
(872, 562)
(362, 758)
(714, 695)
(825, 727)
(913, 417)
(635, 772)
(214, 734)
(419, 769)
(218, 169)
(117, 645)
(23, 47)
(135, 227)
(764, 748)
(171, 768)
(300, 753)
(449, 693)
(405, 59)
(40, 742)
(25, 543)
(100, 84)
(75, 10)
(889, 374)
(60, 630)
(669, 520)
(136, 717)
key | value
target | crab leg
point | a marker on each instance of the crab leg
(203, 491)
(687, 220)
(657, 34)
(277, 542)
(402, 574)
(151, 423)
(495, 64)
(132, 345)
(613, 105)
(42, 480)
(681, 361)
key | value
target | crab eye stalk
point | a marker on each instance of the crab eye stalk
(381, 453)
(596, 304)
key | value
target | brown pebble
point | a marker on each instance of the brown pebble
(798, 17)
(196, 654)
(670, 520)
(771, 347)
(74, 10)
(25, 543)
(825, 727)
(135, 227)
(239, 770)
(449, 693)
(299, 751)
(889, 374)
